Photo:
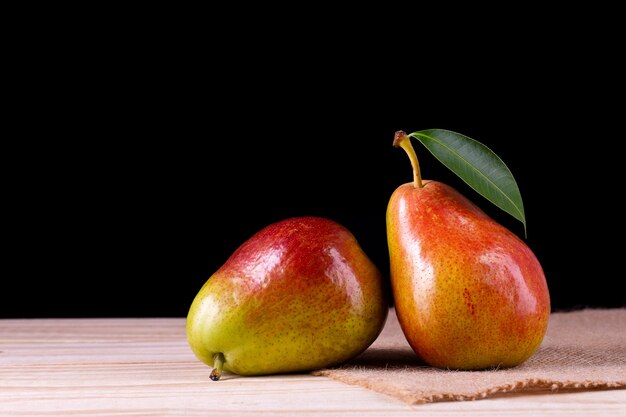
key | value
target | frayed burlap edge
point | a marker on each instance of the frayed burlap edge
(524, 386)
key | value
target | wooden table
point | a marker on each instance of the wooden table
(143, 367)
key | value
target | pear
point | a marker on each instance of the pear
(299, 295)
(468, 293)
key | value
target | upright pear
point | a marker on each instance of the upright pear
(299, 295)
(468, 293)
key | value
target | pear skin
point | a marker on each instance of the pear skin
(468, 293)
(299, 295)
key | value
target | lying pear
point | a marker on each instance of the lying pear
(468, 293)
(299, 295)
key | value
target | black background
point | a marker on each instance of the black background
(135, 181)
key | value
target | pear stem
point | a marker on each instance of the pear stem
(218, 363)
(403, 141)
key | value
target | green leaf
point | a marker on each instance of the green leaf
(478, 166)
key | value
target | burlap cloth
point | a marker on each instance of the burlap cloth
(582, 350)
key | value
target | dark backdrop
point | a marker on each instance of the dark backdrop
(134, 184)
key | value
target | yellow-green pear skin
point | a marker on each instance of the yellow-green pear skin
(468, 293)
(299, 295)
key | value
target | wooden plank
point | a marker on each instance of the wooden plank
(144, 367)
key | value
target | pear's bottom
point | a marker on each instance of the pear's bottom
(475, 348)
(294, 340)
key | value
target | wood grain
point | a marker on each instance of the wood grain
(143, 367)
